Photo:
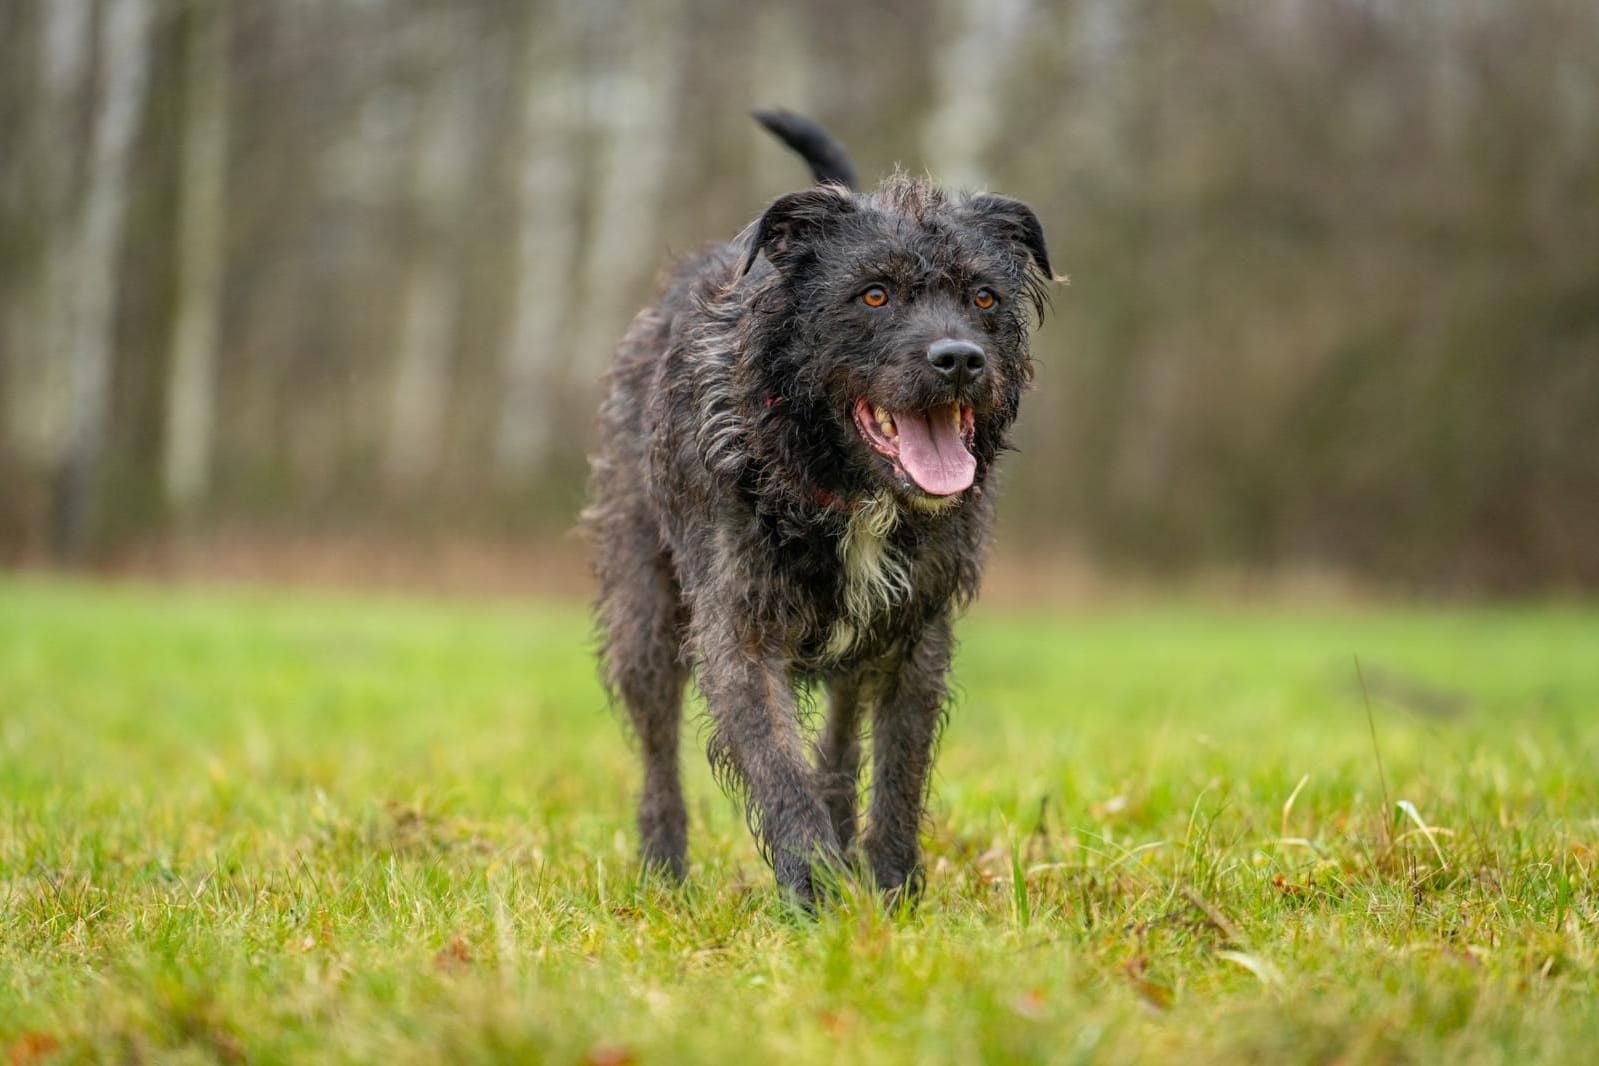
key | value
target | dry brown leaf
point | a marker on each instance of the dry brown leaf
(456, 955)
(30, 1048)
(1155, 995)
(1287, 887)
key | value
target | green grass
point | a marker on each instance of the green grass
(249, 826)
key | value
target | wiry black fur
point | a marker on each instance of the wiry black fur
(734, 504)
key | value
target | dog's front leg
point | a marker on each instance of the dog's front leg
(904, 726)
(838, 755)
(757, 746)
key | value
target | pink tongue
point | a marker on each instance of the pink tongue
(932, 452)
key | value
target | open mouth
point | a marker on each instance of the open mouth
(932, 448)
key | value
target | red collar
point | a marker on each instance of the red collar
(831, 501)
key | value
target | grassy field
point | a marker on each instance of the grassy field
(255, 827)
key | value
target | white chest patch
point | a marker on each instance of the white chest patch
(876, 576)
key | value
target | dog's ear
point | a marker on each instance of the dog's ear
(791, 219)
(1013, 221)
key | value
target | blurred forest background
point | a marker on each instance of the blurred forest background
(355, 267)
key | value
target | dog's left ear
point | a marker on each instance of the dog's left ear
(1015, 222)
(790, 220)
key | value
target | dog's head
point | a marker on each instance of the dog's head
(894, 327)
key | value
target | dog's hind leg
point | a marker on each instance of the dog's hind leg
(838, 756)
(641, 615)
(904, 729)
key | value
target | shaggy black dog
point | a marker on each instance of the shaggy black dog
(790, 491)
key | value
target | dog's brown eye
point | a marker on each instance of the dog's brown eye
(876, 296)
(985, 299)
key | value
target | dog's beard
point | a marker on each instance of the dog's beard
(931, 448)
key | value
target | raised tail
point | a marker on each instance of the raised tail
(827, 158)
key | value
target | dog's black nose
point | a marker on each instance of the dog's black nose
(957, 362)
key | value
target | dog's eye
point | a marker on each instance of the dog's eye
(985, 299)
(876, 296)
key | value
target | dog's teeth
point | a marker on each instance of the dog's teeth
(885, 421)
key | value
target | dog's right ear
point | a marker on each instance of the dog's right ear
(790, 220)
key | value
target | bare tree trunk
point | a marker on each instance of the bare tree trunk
(39, 381)
(191, 380)
(637, 110)
(783, 70)
(432, 293)
(1105, 103)
(968, 78)
(90, 288)
(549, 194)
